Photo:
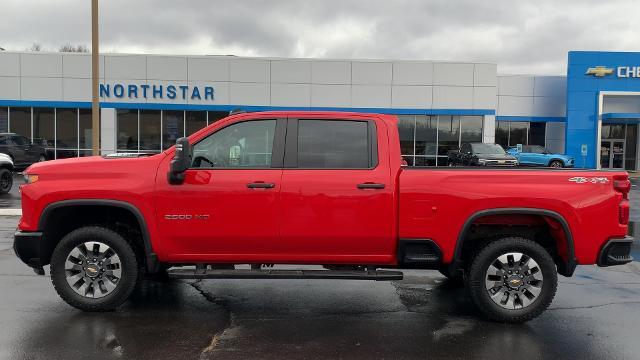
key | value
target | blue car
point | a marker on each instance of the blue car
(536, 155)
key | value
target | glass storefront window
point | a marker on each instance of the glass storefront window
(406, 129)
(214, 116)
(127, 128)
(66, 128)
(631, 147)
(195, 121)
(502, 133)
(172, 127)
(512, 133)
(518, 133)
(426, 135)
(20, 121)
(448, 137)
(613, 131)
(471, 129)
(426, 140)
(4, 120)
(85, 127)
(537, 132)
(150, 130)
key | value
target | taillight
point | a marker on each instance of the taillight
(623, 186)
(623, 212)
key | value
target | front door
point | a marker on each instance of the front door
(228, 206)
(612, 154)
(337, 193)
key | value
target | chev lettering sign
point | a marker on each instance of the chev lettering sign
(145, 91)
(620, 71)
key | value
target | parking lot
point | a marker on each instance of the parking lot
(595, 315)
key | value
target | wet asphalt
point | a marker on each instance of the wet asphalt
(595, 315)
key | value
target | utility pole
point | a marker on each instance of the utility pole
(95, 74)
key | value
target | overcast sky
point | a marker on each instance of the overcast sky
(521, 36)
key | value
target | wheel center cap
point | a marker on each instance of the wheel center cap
(93, 270)
(514, 282)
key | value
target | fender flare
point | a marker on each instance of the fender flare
(151, 257)
(565, 268)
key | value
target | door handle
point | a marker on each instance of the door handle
(261, 185)
(370, 185)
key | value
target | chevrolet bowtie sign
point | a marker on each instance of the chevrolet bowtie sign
(620, 71)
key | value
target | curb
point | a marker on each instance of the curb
(10, 212)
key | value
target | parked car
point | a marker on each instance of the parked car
(536, 155)
(22, 152)
(6, 173)
(481, 154)
(315, 188)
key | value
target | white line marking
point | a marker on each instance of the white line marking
(10, 212)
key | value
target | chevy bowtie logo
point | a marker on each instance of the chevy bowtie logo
(599, 71)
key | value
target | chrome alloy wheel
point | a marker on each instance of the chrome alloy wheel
(514, 281)
(93, 269)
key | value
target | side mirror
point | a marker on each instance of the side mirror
(181, 162)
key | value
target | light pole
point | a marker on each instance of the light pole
(95, 74)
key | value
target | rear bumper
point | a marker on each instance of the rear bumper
(27, 247)
(616, 252)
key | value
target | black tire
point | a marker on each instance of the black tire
(475, 279)
(556, 164)
(6, 180)
(129, 267)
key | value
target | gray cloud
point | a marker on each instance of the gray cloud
(521, 36)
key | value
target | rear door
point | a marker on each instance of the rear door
(337, 193)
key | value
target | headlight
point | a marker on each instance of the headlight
(30, 178)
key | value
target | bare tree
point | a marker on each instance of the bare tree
(35, 47)
(73, 48)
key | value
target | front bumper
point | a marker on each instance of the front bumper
(616, 252)
(27, 246)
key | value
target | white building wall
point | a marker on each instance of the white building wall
(257, 81)
(333, 83)
(535, 96)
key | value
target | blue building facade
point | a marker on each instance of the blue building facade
(603, 109)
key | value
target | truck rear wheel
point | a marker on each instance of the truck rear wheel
(94, 269)
(512, 280)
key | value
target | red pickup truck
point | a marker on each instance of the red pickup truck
(320, 188)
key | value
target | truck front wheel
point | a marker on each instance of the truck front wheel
(512, 280)
(94, 269)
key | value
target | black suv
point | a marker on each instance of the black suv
(481, 154)
(21, 150)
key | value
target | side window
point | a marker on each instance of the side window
(243, 145)
(333, 144)
(19, 140)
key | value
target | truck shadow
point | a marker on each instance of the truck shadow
(172, 319)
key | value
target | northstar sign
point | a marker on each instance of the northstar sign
(145, 91)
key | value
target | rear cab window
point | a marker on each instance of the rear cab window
(332, 144)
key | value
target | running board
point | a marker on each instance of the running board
(378, 275)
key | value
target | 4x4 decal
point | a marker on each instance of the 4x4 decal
(592, 180)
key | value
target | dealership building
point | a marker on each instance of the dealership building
(148, 101)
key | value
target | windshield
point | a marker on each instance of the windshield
(487, 149)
